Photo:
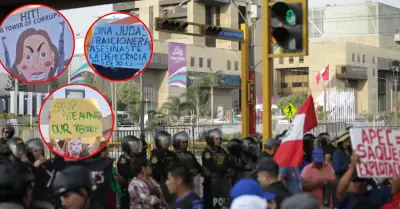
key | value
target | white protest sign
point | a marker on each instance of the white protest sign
(379, 152)
(36, 44)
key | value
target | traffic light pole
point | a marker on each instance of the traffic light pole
(267, 68)
(243, 80)
(251, 71)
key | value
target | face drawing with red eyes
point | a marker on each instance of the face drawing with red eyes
(36, 56)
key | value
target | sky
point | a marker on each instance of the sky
(89, 93)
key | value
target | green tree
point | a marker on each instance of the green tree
(296, 99)
(10, 84)
(54, 84)
(89, 80)
(176, 107)
(129, 95)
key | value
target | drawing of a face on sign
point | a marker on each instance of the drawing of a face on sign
(36, 56)
(37, 44)
(75, 147)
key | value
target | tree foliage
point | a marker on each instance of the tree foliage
(296, 99)
(176, 107)
(89, 80)
(10, 84)
(129, 96)
(54, 84)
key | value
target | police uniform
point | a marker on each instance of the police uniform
(161, 158)
(66, 181)
(235, 149)
(251, 152)
(217, 172)
(130, 146)
(186, 158)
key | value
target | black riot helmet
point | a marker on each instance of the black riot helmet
(323, 139)
(251, 146)
(17, 146)
(34, 146)
(14, 182)
(235, 147)
(144, 143)
(131, 145)
(162, 140)
(178, 138)
(73, 179)
(213, 134)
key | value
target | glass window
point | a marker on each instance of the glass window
(192, 62)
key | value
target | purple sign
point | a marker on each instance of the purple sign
(177, 74)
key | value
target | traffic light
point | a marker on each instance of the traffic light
(210, 30)
(171, 25)
(251, 92)
(289, 29)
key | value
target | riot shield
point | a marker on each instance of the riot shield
(218, 191)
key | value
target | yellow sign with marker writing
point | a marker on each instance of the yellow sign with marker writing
(290, 110)
(75, 118)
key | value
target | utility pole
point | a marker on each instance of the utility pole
(141, 103)
(251, 70)
(395, 84)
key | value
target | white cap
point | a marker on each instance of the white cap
(249, 201)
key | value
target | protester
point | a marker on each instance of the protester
(323, 141)
(308, 145)
(179, 183)
(267, 174)
(319, 179)
(395, 181)
(270, 147)
(342, 155)
(139, 191)
(249, 201)
(300, 201)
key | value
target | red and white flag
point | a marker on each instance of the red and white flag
(323, 75)
(290, 152)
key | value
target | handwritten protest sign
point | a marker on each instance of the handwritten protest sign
(124, 46)
(36, 39)
(379, 151)
(75, 118)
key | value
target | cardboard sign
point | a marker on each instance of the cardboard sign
(75, 118)
(379, 151)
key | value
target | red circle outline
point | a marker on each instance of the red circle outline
(73, 46)
(140, 71)
(98, 150)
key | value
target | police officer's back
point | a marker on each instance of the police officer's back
(180, 142)
(130, 146)
(251, 151)
(235, 149)
(75, 186)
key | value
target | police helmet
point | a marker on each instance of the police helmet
(66, 180)
(162, 139)
(33, 145)
(213, 134)
(131, 145)
(142, 138)
(17, 146)
(251, 146)
(235, 146)
(13, 181)
(178, 138)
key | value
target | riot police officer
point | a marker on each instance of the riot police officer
(251, 152)
(180, 142)
(143, 153)
(15, 185)
(235, 149)
(130, 146)
(217, 171)
(75, 187)
(35, 152)
(17, 147)
(161, 158)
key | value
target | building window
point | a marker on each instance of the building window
(236, 65)
(228, 65)
(281, 60)
(373, 72)
(301, 59)
(151, 19)
(284, 85)
(201, 62)
(149, 98)
(353, 57)
(363, 58)
(358, 58)
(296, 84)
(291, 60)
(192, 61)
(217, 16)
(208, 63)
(373, 60)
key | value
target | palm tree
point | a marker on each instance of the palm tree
(176, 107)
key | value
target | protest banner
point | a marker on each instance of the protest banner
(379, 152)
(122, 46)
(75, 118)
(39, 38)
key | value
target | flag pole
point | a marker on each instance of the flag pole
(325, 109)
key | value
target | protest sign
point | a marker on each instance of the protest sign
(36, 39)
(75, 118)
(122, 46)
(379, 152)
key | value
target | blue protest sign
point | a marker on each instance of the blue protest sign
(122, 46)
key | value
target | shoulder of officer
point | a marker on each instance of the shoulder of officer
(122, 159)
(206, 154)
(153, 159)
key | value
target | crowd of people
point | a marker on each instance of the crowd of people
(244, 176)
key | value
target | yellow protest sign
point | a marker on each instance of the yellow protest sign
(290, 110)
(75, 118)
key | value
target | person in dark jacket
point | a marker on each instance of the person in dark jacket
(342, 155)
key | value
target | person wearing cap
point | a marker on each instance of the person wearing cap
(318, 175)
(270, 147)
(267, 171)
(341, 157)
(351, 189)
(250, 187)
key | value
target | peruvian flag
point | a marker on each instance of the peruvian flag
(290, 152)
(323, 75)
